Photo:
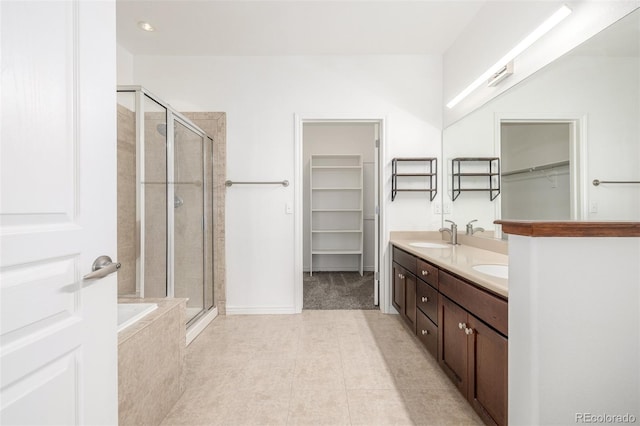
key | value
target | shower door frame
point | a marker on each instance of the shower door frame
(171, 115)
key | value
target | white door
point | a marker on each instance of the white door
(58, 212)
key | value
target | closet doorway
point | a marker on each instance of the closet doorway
(541, 169)
(340, 238)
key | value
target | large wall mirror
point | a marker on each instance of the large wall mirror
(551, 136)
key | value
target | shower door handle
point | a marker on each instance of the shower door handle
(102, 267)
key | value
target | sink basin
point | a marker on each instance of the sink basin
(425, 244)
(499, 271)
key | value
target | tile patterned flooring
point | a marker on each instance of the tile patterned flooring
(349, 367)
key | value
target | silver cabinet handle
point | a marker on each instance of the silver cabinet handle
(102, 267)
(425, 273)
(401, 276)
(425, 299)
(468, 331)
(462, 325)
(425, 332)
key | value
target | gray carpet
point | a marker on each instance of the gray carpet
(338, 290)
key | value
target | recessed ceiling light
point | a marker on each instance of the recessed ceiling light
(145, 26)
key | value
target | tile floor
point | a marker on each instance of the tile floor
(351, 367)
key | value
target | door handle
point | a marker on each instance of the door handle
(102, 267)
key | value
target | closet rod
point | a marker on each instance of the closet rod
(283, 183)
(597, 182)
(536, 168)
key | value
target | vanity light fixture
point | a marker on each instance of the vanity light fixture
(145, 26)
(544, 28)
(500, 75)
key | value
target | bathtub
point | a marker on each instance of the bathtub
(130, 313)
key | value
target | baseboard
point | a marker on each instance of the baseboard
(194, 330)
(260, 310)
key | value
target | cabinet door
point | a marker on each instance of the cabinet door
(488, 372)
(398, 288)
(410, 300)
(452, 342)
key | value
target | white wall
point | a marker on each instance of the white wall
(574, 344)
(341, 139)
(124, 66)
(500, 25)
(260, 96)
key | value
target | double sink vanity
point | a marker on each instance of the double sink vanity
(455, 299)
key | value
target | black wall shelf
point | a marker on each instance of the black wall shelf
(492, 170)
(431, 183)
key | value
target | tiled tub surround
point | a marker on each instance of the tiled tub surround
(151, 363)
(459, 259)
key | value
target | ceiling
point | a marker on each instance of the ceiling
(292, 27)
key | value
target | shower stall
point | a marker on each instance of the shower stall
(165, 203)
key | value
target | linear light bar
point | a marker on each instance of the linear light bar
(544, 28)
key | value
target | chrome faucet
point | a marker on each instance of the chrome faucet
(471, 230)
(453, 232)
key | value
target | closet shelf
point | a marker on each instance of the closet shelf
(335, 210)
(346, 188)
(336, 185)
(431, 183)
(337, 251)
(336, 231)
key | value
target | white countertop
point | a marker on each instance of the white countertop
(458, 259)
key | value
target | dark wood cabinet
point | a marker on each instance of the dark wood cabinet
(452, 343)
(427, 300)
(464, 326)
(488, 372)
(397, 300)
(404, 294)
(474, 356)
(427, 333)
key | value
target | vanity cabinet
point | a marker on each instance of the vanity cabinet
(473, 347)
(404, 294)
(463, 326)
(404, 286)
(427, 304)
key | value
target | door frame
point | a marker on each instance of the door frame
(298, 183)
(577, 156)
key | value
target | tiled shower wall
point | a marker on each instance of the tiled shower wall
(126, 201)
(214, 124)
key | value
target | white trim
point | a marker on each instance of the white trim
(196, 328)
(578, 156)
(299, 120)
(261, 310)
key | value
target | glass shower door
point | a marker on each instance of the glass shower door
(188, 217)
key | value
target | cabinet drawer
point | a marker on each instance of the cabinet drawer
(489, 308)
(404, 259)
(427, 300)
(427, 272)
(427, 332)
